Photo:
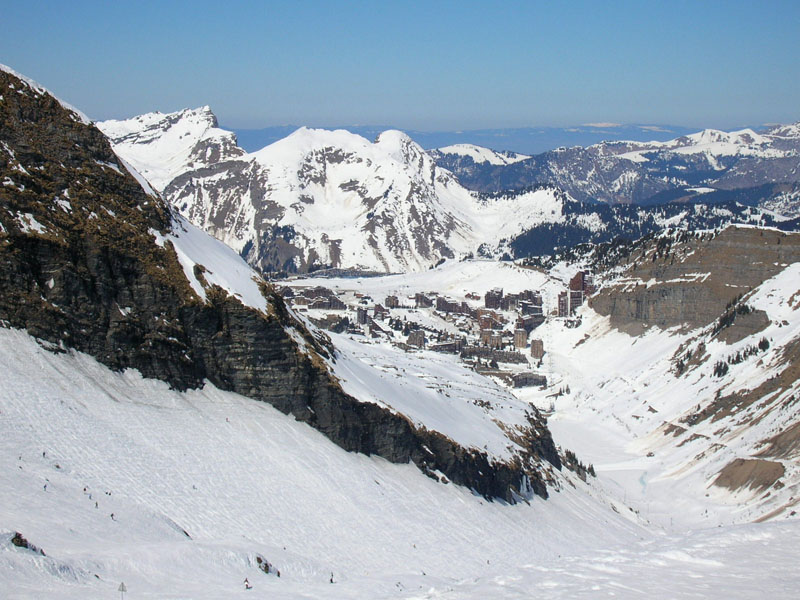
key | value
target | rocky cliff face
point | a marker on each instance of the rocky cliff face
(86, 262)
(688, 281)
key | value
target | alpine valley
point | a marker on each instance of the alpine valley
(342, 368)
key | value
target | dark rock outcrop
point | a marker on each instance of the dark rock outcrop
(79, 268)
(19, 541)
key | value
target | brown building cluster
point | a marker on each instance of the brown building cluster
(580, 286)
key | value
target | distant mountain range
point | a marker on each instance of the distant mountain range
(525, 140)
(710, 166)
(334, 199)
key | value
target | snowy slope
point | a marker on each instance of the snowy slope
(192, 513)
(664, 438)
(435, 391)
(479, 154)
(451, 278)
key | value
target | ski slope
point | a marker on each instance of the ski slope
(202, 484)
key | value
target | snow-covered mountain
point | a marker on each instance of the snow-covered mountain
(708, 166)
(164, 146)
(479, 155)
(321, 198)
(94, 260)
(157, 397)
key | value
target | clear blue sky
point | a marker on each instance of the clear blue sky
(424, 65)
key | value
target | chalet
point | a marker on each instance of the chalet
(453, 345)
(379, 312)
(300, 301)
(575, 300)
(496, 340)
(528, 379)
(520, 338)
(489, 321)
(583, 281)
(563, 304)
(529, 322)
(491, 354)
(537, 349)
(320, 303)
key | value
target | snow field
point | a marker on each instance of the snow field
(222, 266)
(241, 479)
(244, 480)
(624, 396)
(480, 154)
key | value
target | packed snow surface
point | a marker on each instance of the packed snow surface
(201, 484)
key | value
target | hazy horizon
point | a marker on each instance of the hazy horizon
(441, 66)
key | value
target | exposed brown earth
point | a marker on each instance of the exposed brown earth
(753, 473)
(783, 445)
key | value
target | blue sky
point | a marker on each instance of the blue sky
(416, 65)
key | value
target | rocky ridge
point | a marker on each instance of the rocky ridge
(91, 259)
(688, 280)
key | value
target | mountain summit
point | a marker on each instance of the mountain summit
(319, 198)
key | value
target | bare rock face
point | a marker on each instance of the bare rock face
(80, 268)
(689, 282)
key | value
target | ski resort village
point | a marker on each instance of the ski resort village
(346, 364)
(493, 332)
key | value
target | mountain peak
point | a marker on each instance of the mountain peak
(163, 145)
